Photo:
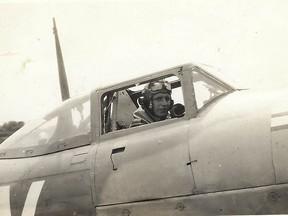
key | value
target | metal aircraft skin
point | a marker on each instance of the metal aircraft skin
(226, 154)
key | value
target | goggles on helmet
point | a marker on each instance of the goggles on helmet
(159, 85)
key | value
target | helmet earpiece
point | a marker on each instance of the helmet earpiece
(141, 100)
(144, 102)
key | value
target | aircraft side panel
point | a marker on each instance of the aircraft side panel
(140, 164)
(261, 200)
(67, 195)
(54, 184)
(230, 144)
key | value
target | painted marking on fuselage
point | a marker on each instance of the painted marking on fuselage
(32, 198)
(279, 121)
(5, 201)
(30, 202)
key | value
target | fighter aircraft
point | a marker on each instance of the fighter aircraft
(224, 151)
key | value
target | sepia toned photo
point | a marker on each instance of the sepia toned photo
(144, 107)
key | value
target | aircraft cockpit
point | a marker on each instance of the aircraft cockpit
(69, 125)
(118, 105)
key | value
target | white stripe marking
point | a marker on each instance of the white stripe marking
(5, 201)
(32, 198)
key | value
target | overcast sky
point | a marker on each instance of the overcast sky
(104, 42)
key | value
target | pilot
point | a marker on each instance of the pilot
(155, 103)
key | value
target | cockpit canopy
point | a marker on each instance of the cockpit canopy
(70, 119)
(69, 125)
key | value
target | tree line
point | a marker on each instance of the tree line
(8, 128)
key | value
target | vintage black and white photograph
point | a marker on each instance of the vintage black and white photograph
(143, 107)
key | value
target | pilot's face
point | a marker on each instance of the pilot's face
(161, 104)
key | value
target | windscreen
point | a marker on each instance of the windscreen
(69, 120)
(207, 88)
